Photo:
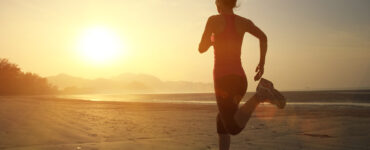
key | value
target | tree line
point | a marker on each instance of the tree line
(15, 82)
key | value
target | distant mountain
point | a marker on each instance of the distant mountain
(125, 83)
(64, 80)
(145, 78)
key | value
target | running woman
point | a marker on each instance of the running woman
(225, 33)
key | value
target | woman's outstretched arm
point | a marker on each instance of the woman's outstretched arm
(206, 42)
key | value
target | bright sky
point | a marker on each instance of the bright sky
(313, 44)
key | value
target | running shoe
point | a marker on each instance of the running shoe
(267, 93)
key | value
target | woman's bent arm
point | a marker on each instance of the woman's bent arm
(206, 42)
(257, 32)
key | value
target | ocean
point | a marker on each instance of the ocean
(339, 97)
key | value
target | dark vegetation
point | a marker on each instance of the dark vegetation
(15, 82)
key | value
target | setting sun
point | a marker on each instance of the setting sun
(100, 45)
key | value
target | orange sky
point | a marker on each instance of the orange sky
(312, 45)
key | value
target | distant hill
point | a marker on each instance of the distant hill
(64, 80)
(125, 83)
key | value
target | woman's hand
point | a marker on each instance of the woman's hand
(260, 69)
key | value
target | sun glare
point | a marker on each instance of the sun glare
(100, 45)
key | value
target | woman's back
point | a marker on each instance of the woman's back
(228, 31)
(228, 38)
(227, 42)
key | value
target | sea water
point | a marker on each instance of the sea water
(348, 98)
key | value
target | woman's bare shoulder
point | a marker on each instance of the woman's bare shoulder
(214, 18)
(243, 20)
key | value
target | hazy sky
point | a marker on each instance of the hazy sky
(313, 44)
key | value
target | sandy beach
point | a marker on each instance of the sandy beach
(42, 123)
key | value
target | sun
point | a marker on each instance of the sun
(100, 45)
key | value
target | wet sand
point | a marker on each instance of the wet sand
(29, 123)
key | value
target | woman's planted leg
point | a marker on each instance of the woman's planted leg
(224, 141)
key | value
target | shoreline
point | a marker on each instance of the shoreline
(194, 102)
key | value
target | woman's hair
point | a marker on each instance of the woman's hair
(229, 3)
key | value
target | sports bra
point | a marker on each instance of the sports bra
(227, 49)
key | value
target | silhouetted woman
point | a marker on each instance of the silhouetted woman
(225, 33)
